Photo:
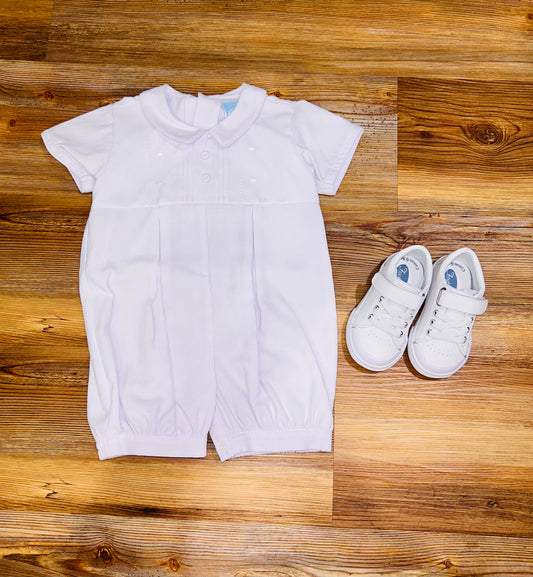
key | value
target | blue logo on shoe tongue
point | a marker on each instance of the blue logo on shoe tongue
(451, 278)
(402, 272)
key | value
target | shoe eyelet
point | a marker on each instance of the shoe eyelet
(428, 331)
(435, 313)
(442, 290)
(380, 299)
(405, 325)
(464, 340)
(401, 333)
(369, 316)
(376, 307)
(472, 319)
(467, 329)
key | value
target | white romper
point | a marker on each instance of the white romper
(205, 278)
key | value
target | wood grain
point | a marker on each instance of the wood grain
(399, 466)
(139, 486)
(450, 38)
(24, 28)
(78, 545)
(452, 134)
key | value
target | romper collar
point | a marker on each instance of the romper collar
(161, 103)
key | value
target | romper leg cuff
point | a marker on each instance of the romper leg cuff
(262, 442)
(113, 445)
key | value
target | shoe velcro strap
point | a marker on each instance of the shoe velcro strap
(395, 293)
(463, 303)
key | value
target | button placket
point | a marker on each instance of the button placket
(207, 166)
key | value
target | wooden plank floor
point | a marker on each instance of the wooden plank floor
(426, 477)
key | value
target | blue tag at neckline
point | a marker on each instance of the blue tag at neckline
(229, 107)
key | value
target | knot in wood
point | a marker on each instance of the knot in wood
(485, 133)
(105, 554)
(12, 122)
(49, 95)
(174, 564)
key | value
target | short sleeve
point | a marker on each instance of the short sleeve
(82, 144)
(328, 142)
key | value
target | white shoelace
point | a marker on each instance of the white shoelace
(449, 325)
(391, 317)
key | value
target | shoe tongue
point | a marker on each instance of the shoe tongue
(409, 274)
(458, 277)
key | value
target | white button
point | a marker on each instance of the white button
(205, 154)
(206, 177)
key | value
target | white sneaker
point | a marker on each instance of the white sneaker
(441, 339)
(376, 333)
